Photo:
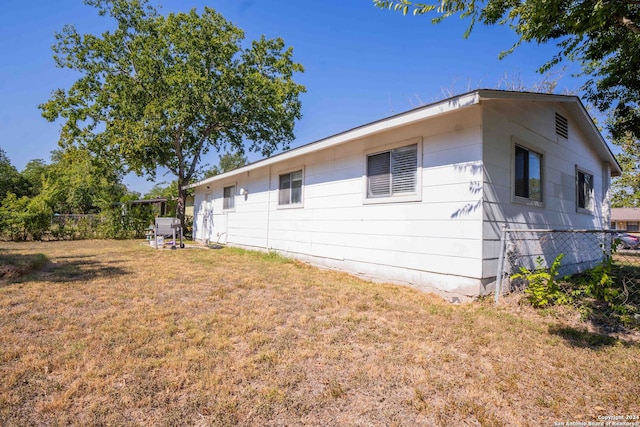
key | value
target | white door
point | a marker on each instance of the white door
(207, 217)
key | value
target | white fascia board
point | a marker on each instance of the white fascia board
(383, 125)
(602, 148)
(528, 96)
(573, 103)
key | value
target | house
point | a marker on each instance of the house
(420, 198)
(188, 206)
(625, 219)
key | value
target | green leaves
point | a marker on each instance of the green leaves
(23, 217)
(602, 35)
(162, 90)
(76, 182)
(542, 285)
(625, 189)
(10, 179)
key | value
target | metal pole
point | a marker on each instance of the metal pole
(155, 233)
(503, 240)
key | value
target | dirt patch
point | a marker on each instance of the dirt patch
(15, 265)
(9, 272)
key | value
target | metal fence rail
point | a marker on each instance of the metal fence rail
(598, 272)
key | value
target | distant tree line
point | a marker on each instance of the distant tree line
(74, 184)
(77, 195)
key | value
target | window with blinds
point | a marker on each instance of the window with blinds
(392, 172)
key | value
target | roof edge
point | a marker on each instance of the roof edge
(417, 114)
(381, 125)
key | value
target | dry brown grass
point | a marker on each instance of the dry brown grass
(116, 333)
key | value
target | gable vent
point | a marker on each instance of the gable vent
(562, 126)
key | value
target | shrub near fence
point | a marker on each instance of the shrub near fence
(74, 226)
(590, 270)
(111, 223)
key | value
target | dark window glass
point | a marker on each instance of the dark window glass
(528, 174)
(585, 190)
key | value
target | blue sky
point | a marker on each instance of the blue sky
(361, 63)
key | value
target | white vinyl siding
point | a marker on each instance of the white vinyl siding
(391, 173)
(448, 233)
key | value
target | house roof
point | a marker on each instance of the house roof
(572, 104)
(625, 214)
(148, 201)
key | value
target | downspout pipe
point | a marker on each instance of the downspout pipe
(500, 273)
(268, 208)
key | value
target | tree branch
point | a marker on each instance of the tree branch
(177, 137)
(205, 134)
(628, 23)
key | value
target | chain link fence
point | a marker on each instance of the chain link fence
(595, 272)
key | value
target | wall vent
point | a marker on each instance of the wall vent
(562, 126)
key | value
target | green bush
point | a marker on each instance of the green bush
(38, 218)
(599, 294)
(542, 284)
(22, 218)
(125, 222)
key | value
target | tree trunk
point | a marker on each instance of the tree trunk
(182, 202)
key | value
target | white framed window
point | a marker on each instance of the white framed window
(393, 175)
(528, 177)
(229, 197)
(584, 191)
(633, 226)
(290, 189)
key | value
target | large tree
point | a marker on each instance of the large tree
(228, 162)
(161, 91)
(77, 182)
(10, 179)
(625, 189)
(34, 174)
(602, 35)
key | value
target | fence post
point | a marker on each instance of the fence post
(503, 240)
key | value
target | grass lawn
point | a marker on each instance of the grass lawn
(117, 333)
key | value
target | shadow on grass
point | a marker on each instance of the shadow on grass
(80, 269)
(25, 268)
(582, 338)
(14, 266)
